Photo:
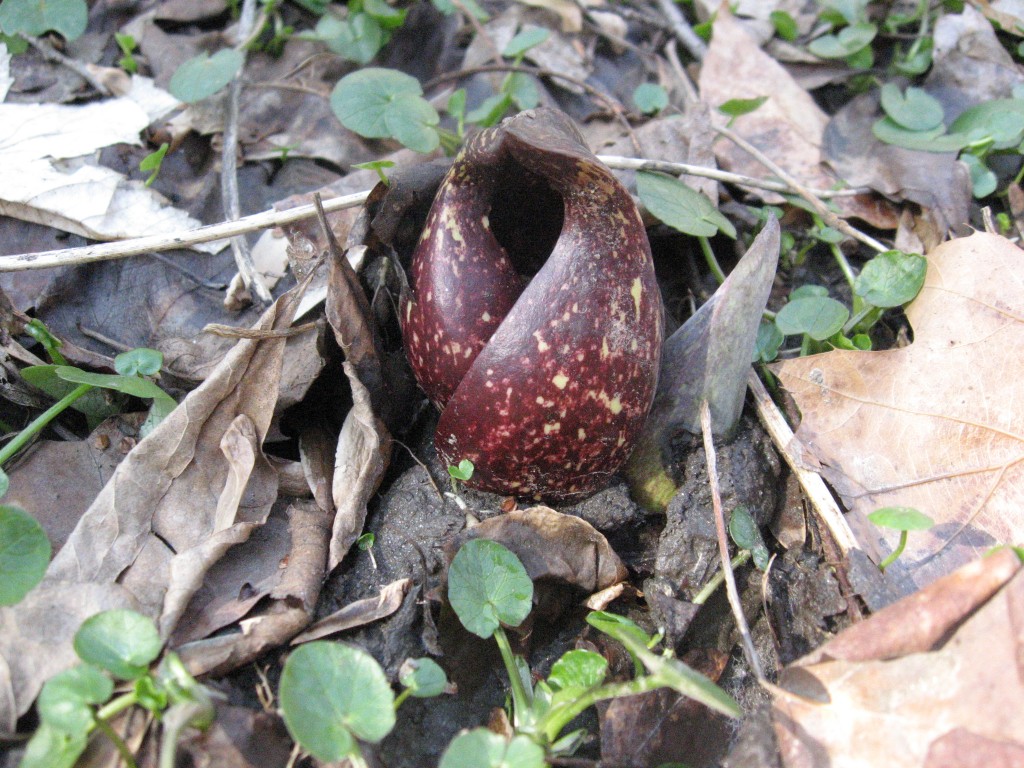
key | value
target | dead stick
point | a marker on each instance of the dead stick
(723, 543)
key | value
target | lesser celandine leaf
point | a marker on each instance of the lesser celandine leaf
(737, 107)
(332, 694)
(52, 748)
(578, 670)
(488, 586)
(914, 109)
(423, 677)
(139, 362)
(480, 748)
(120, 641)
(785, 25)
(891, 279)
(846, 42)
(650, 98)
(35, 17)
(204, 75)
(379, 103)
(65, 703)
(818, 316)
(1001, 120)
(525, 39)
(24, 554)
(357, 38)
(934, 140)
(901, 519)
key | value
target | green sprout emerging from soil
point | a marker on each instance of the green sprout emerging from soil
(904, 520)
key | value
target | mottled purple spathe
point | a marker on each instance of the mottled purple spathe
(544, 387)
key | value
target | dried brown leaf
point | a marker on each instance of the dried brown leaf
(935, 425)
(787, 128)
(360, 612)
(927, 703)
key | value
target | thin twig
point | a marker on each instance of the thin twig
(723, 544)
(814, 487)
(682, 30)
(163, 242)
(229, 170)
(54, 56)
(830, 217)
(639, 164)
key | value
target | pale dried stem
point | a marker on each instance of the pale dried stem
(723, 544)
(814, 487)
(829, 217)
(273, 218)
(229, 170)
(682, 30)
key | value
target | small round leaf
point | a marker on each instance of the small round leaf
(423, 677)
(357, 38)
(528, 37)
(65, 702)
(32, 18)
(488, 586)
(332, 694)
(362, 99)
(480, 748)
(915, 110)
(891, 279)
(121, 641)
(901, 519)
(139, 362)
(819, 317)
(578, 670)
(24, 554)
(650, 98)
(51, 748)
(411, 120)
(204, 75)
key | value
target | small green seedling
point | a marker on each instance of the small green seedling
(489, 589)
(202, 76)
(114, 645)
(365, 544)
(460, 474)
(334, 695)
(76, 388)
(378, 166)
(734, 108)
(746, 535)
(128, 46)
(650, 98)
(904, 520)
(153, 162)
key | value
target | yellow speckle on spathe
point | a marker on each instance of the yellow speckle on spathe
(408, 312)
(621, 442)
(542, 346)
(456, 347)
(604, 347)
(560, 380)
(615, 405)
(549, 428)
(637, 291)
(540, 399)
(486, 317)
(486, 222)
(581, 433)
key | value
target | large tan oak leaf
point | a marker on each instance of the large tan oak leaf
(937, 425)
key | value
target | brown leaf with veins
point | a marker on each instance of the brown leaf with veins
(936, 425)
(932, 681)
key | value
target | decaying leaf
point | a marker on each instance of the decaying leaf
(788, 127)
(935, 425)
(553, 546)
(933, 680)
(359, 613)
(160, 521)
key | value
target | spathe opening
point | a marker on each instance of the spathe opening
(526, 217)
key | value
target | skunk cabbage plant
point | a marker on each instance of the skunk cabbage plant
(544, 381)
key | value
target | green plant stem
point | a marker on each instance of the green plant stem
(844, 265)
(557, 719)
(852, 322)
(520, 700)
(895, 553)
(709, 257)
(741, 557)
(117, 706)
(117, 741)
(400, 698)
(23, 437)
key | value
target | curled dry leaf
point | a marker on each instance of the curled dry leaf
(160, 504)
(554, 547)
(934, 425)
(545, 386)
(934, 679)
